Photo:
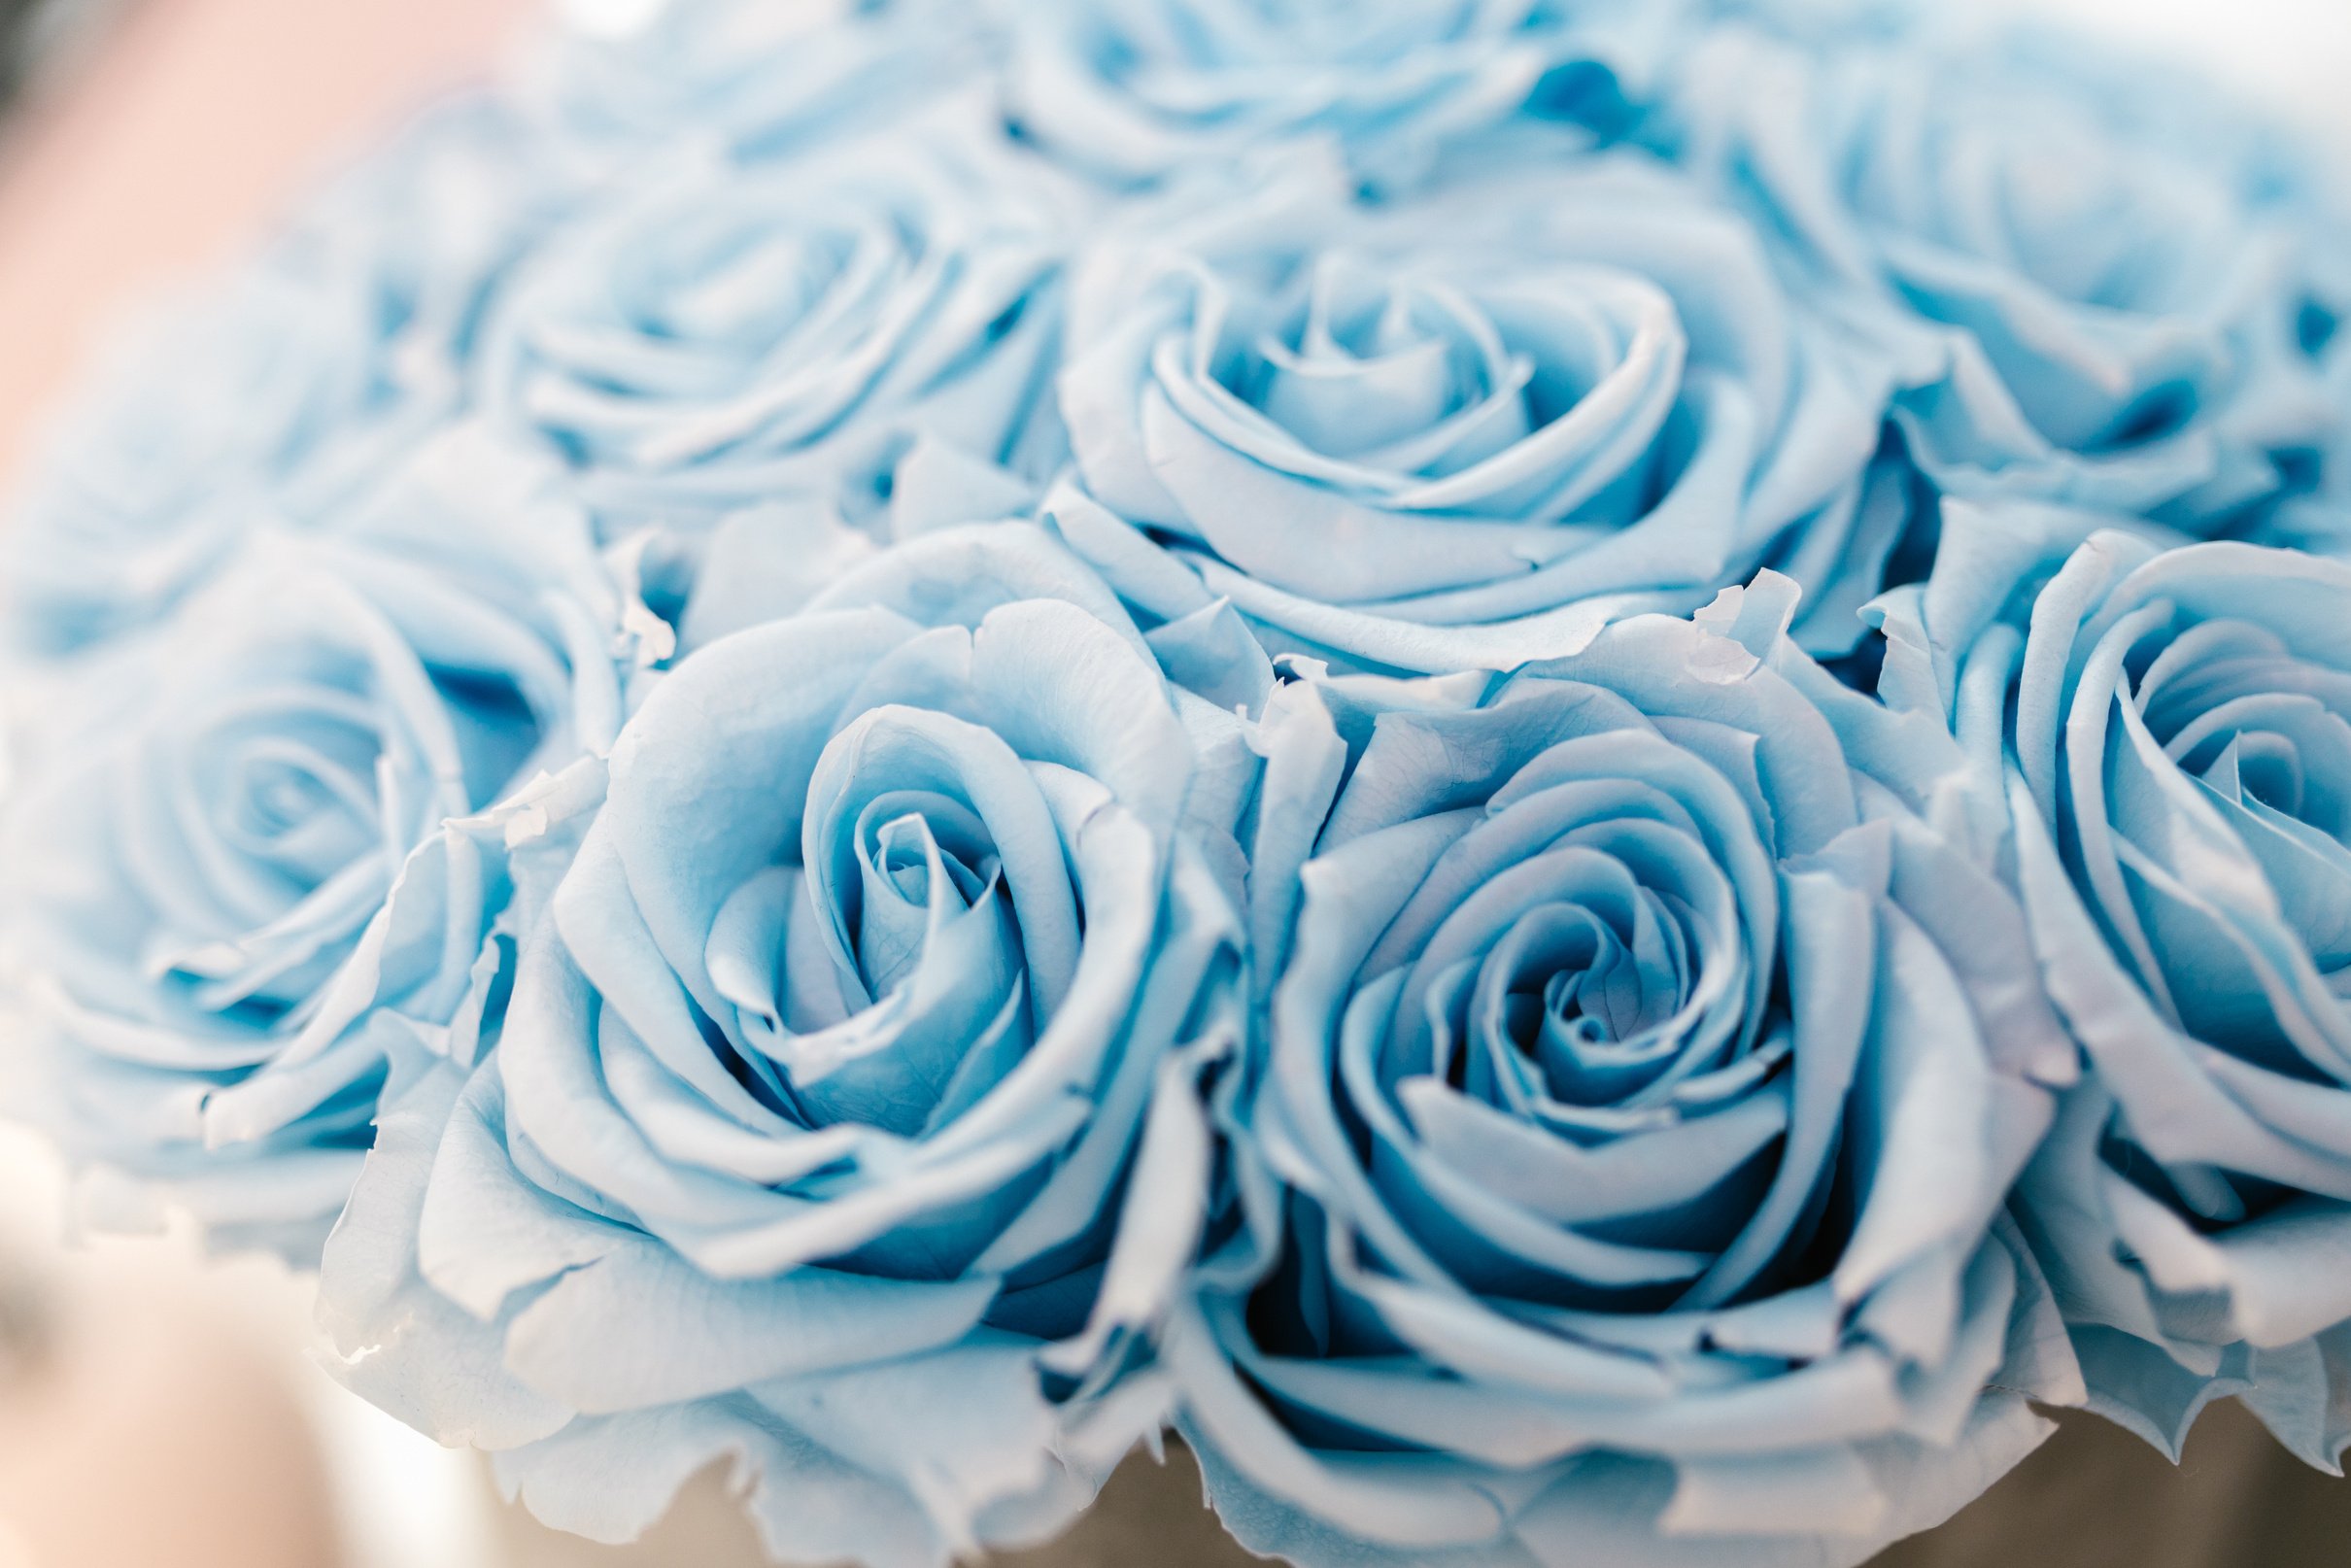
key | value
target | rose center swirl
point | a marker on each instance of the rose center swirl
(907, 962)
(1573, 1001)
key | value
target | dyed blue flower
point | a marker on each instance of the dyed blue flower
(1645, 1081)
(2166, 734)
(820, 1131)
(1137, 90)
(714, 338)
(1229, 818)
(255, 869)
(2095, 287)
(1456, 433)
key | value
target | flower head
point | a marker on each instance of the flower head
(1645, 1082)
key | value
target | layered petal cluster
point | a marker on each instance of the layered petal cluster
(1645, 1081)
(1136, 89)
(2095, 302)
(2170, 732)
(233, 908)
(805, 1138)
(716, 337)
(1458, 432)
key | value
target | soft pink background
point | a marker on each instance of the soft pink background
(167, 149)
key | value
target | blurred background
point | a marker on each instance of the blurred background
(155, 1410)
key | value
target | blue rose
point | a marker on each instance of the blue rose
(1440, 435)
(1137, 90)
(1645, 1081)
(2093, 286)
(821, 1131)
(716, 337)
(283, 391)
(233, 906)
(751, 82)
(2169, 734)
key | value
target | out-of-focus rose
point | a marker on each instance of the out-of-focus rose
(1443, 434)
(2170, 732)
(2095, 288)
(719, 337)
(283, 391)
(1645, 1082)
(1134, 89)
(233, 908)
(820, 1133)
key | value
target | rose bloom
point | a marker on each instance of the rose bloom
(1460, 433)
(819, 1131)
(1646, 1076)
(2162, 733)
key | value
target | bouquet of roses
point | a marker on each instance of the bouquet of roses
(1578, 772)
